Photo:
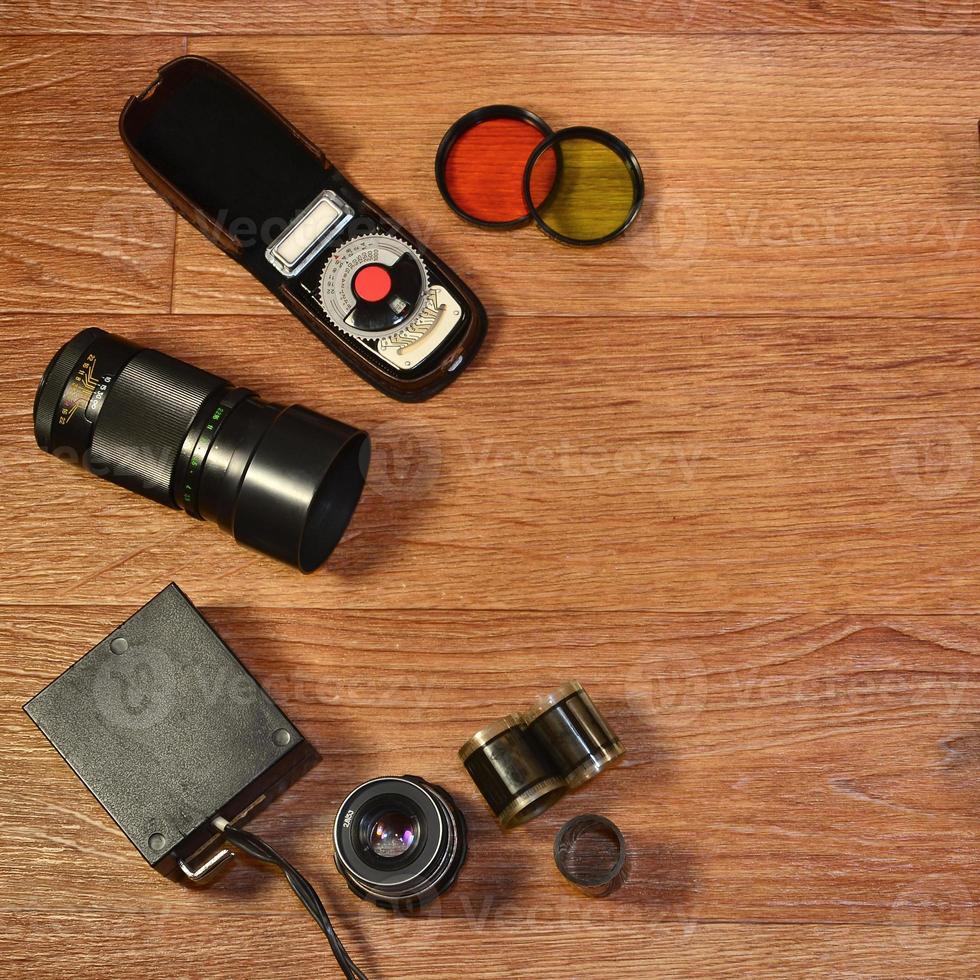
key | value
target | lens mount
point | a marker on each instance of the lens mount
(402, 879)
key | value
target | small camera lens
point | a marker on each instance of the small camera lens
(393, 834)
(399, 841)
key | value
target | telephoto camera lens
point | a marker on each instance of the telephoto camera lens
(284, 481)
(399, 842)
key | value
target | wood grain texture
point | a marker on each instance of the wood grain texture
(785, 175)
(845, 751)
(754, 464)
(493, 17)
(723, 471)
(494, 952)
(79, 234)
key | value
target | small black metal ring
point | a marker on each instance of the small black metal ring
(594, 885)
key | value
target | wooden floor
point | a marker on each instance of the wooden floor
(724, 471)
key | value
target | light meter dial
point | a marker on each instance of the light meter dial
(373, 286)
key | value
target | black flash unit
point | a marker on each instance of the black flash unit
(246, 178)
(169, 731)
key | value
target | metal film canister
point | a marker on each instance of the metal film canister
(571, 731)
(516, 778)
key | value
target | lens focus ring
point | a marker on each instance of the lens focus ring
(143, 425)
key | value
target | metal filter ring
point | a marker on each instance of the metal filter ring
(573, 849)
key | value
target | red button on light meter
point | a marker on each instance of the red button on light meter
(372, 283)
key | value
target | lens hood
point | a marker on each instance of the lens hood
(301, 486)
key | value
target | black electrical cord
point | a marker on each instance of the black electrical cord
(257, 848)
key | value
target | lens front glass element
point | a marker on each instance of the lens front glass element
(393, 834)
(399, 841)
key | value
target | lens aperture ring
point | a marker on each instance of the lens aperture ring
(73, 389)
